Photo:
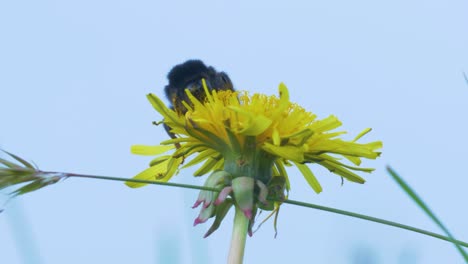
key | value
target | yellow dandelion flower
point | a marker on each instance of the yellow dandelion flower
(217, 129)
(251, 139)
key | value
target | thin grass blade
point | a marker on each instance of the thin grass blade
(425, 208)
(466, 77)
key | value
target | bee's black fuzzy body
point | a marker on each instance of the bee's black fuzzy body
(189, 75)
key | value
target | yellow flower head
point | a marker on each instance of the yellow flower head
(229, 125)
(246, 142)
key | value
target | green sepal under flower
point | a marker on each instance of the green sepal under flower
(221, 211)
(218, 179)
(276, 192)
(243, 191)
(246, 193)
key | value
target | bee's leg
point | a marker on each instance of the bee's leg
(172, 135)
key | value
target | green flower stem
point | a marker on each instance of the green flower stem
(244, 165)
(239, 234)
(314, 206)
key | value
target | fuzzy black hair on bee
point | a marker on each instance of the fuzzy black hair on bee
(187, 72)
(189, 75)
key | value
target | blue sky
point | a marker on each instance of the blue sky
(73, 79)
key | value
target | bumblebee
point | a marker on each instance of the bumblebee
(189, 75)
